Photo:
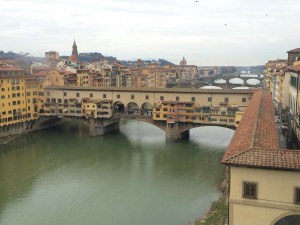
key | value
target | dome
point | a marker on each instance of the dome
(183, 62)
(236, 81)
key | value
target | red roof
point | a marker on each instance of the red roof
(255, 142)
(296, 50)
(10, 68)
(294, 68)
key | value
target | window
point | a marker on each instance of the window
(77, 95)
(147, 97)
(294, 81)
(209, 99)
(65, 93)
(177, 98)
(118, 96)
(297, 195)
(243, 99)
(91, 95)
(104, 95)
(226, 99)
(249, 190)
(193, 99)
(161, 98)
(132, 96)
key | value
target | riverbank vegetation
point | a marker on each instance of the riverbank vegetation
(218, 213)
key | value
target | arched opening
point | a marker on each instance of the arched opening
(133, 108)
(146, 109)
(204, 135)
(118, 107)
(289, 220)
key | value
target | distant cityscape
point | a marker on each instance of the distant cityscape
(101, 90)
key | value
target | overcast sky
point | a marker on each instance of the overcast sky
(205, 32)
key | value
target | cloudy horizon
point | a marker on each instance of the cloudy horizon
(228, 32)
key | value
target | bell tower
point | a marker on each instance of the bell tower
(74, 56)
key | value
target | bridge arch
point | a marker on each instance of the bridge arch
(118, 107)
(146, 108)
(133, 108)
(290, 218)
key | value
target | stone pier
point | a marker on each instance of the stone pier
(103, 126)
(177, 131)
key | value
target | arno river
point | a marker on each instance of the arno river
(61, 176)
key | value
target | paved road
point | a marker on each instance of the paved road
(281, 137)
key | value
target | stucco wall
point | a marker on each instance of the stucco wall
(275, 196)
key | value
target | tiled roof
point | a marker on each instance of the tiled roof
(294, 50)
(10, 68)
(255, 142)
(295, 68)
(268, 158)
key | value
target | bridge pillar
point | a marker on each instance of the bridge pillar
(103, 126)
(176, 131)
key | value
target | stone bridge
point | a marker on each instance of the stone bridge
(175, 111)
(212, 80)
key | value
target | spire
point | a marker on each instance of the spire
(74, 49)
(74, 56)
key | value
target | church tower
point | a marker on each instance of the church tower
(74, 56)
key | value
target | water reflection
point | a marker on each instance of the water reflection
(63, 176)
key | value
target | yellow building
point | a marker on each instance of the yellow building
(21, 99)
(181, 111)
(264, 181)
(82, 77)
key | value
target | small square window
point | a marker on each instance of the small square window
(297, 196)
(132, 96)
(65, 93)
(91, 95)
(193, 99)
(147, 97)
(118, 96)
(249, 190)
(226, 99)
(209, 99)
(161, 98)
(243, 99)
(77, 95)
(177, 98)
(104, 95)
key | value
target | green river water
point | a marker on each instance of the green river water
(61, 176)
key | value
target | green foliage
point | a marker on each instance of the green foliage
(218, 214)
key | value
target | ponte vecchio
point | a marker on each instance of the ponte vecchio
(176, 111)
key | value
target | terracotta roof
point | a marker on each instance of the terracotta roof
(296, 50)
(10, 68)
(255, 142)
(67, 72)
(268, 158)
(294, 68)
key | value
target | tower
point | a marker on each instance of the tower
(74, 56)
